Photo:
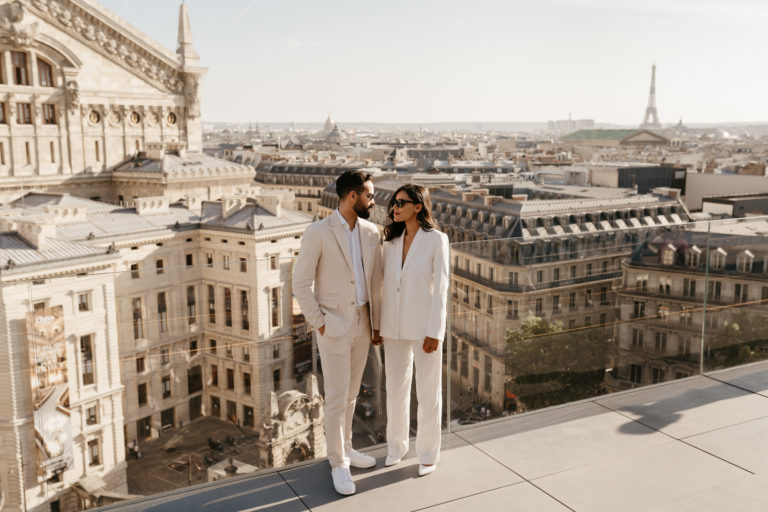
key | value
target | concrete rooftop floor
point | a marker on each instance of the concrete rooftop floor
(699, 443)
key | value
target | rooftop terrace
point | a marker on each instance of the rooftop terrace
(693, 444)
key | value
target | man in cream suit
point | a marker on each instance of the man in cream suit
(341, 256)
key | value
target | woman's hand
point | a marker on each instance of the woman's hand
(377, 339)
(430, 344)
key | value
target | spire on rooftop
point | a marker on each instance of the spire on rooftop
(186, 51)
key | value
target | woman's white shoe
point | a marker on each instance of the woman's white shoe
(342, 481)
(391, 461)
(424, 470)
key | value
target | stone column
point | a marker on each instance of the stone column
(36, 121)
(11, 118)
(61, 113)
(104, 111)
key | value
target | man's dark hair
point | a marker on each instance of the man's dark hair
(349, 181)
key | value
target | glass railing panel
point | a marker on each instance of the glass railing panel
(532, 322)
(153, 372)
(545, 320)
(188, 371)
(736, 327)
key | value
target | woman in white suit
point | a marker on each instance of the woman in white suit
(413, 314)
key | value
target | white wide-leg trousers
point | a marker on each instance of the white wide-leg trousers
(343, 360)
(400, 356)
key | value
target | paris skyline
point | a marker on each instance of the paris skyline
(487, 61)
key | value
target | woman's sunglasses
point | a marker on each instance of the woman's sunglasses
(399, 203)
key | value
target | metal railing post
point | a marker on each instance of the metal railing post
(706, 293)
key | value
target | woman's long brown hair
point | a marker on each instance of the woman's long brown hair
(417, 194)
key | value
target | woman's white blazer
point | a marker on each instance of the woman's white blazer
(415, 294)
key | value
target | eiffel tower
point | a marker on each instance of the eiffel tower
(651, 119)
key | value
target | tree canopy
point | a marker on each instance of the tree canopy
(550, 366)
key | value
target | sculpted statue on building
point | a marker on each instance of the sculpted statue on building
(192, 95)
(73, 95)
(12, 31)
(292, 427)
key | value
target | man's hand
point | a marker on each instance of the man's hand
(321, 330)
(430, 344)
(377, 339)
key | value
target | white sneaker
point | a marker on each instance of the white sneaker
(360, 460)
(342, 481)
(425, 470)
(391, 461)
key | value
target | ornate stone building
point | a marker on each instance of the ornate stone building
(671, 297)
(61, 419)
(559, 260)
(171, 303)
(82, 92)
(292, 429)
(168, 313)
(306, 180)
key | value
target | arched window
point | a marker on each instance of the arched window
(641, 283)
(44, 73)
(20, 71)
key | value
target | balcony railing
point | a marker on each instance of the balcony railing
(518, 288)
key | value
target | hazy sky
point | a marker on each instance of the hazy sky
(471, 60)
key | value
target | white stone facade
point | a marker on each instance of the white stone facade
(163, 351)
(91, 107)
(28, 484)
(81, 91)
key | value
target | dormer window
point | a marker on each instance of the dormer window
(693, 257)
(718, 259)
(744, 261)
(668, 255)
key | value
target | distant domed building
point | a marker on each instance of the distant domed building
(329, 126)
(335, 135)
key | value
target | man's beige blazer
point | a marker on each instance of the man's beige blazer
(324, 279)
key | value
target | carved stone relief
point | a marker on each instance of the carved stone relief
(192, 95)
(13, 31)
(80, 23)
(73, 96)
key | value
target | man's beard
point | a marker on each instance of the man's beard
(363, 211)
